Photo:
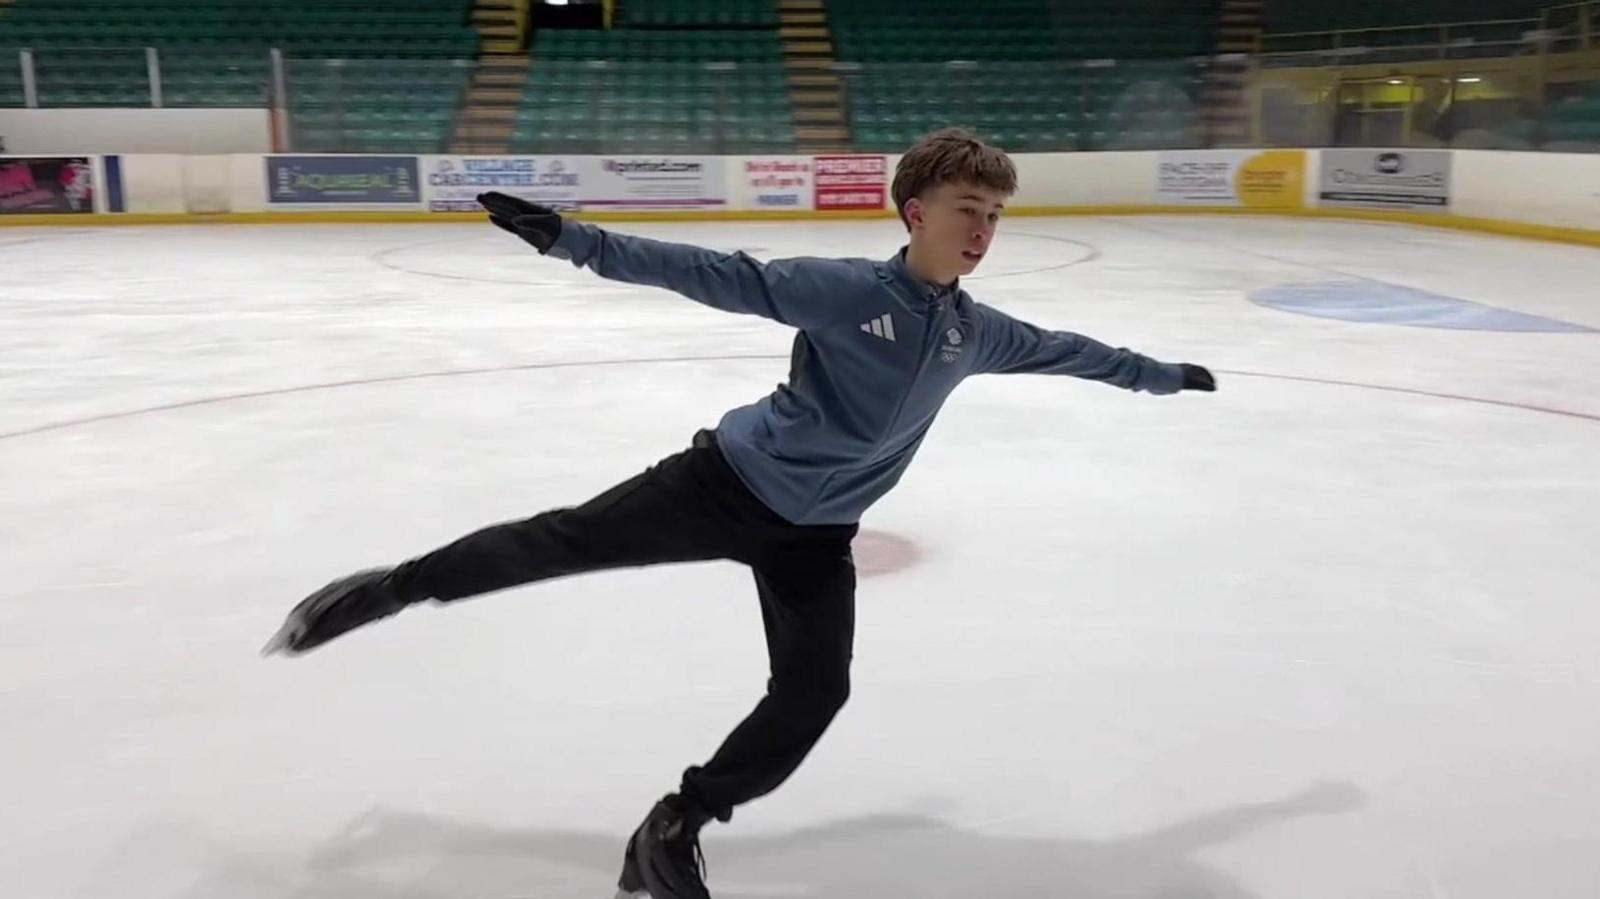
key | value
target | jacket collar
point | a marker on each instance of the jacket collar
(925, 290)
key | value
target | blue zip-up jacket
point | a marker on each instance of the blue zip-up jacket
(877, 353)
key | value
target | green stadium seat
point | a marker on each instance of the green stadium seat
(91, 53)
(652, 91)
(692, 13)
(1022, 82)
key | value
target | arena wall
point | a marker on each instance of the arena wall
(1555, 189)
(1542, 195)
(43, 132)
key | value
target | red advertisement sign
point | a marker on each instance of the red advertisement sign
(43, 184)
(851, 182)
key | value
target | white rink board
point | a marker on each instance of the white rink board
(1559, 189)
(50, 132)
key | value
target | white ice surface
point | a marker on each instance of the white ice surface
(1293, 639)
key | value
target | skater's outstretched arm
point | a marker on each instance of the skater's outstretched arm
(802, 293)
(1009, 346)
(795, 292)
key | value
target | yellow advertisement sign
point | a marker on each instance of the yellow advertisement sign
(1273, 179)
(1259, 179)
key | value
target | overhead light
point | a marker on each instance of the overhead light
(1468, 79)
(1397, 81)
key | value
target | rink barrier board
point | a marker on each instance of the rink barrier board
(1501, 227)
(1552, 197)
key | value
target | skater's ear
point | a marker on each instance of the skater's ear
(914, 213)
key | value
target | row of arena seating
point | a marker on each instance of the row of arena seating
(1010, 30)
(122, 78)
(659, 79)
(408, 61)
(387, 92)
(375, 105)
(647, 87)
(10, 79)
(698, 14)
(670, 46)
(410, 28)
(1574, 119)
(1019, 93)
(93, 52)
(1482, 29)
(577, 105)
(1328, 15)
(644, 85)
(1024, 106)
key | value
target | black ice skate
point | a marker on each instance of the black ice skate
(342, 605)
(631, 884)
(663, 860)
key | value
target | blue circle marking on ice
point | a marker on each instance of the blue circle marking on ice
(1395, 304)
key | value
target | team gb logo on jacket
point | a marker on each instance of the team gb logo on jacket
(952, 345)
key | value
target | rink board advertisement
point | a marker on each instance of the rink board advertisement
(774, 182)
(653, 182)
(855, 181)
(342, 180)
(33, 185)
(1258, 179)
(1385, 179)
(452, 183)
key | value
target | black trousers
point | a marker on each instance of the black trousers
(691, 506)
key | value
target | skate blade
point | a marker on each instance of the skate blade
(282, 643)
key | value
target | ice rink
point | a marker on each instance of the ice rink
(1329, 633)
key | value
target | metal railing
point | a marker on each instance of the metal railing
(1468, 109)
(1569, 28)
(134, 77)
(1069, 105)
(371, 105)
(614, 106)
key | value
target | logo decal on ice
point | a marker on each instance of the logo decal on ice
(882, 326)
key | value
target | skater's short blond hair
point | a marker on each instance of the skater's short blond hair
(951, 156)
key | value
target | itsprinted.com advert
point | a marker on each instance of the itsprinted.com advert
(653, 182)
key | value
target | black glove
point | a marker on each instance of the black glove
(1197, 378)
(343, 605)
(538, 225)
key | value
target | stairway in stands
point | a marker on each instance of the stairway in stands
(1225, 99)
(489, 113)
(814, 89)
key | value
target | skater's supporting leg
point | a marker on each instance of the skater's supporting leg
(808, 607)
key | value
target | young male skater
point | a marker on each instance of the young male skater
(780, 484)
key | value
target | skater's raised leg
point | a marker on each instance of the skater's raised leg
(688, 507)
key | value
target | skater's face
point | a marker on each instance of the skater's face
(952, 226)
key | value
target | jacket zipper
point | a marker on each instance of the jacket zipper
(935, 313)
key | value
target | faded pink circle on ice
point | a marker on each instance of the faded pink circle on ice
(880, 552)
